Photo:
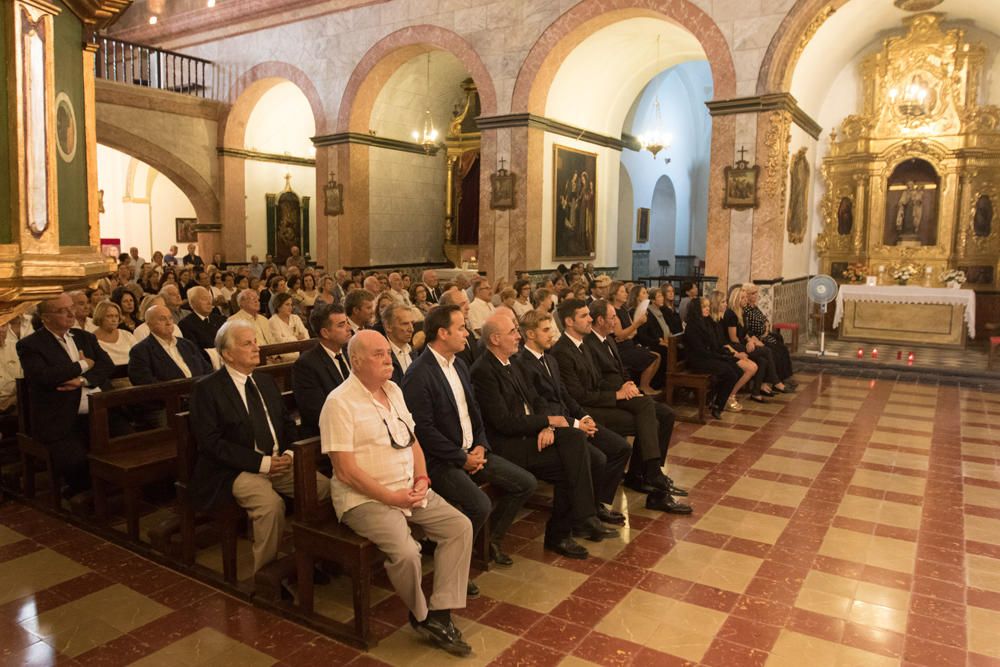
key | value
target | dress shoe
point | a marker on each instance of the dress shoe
(471, 590)
(770, 393)
(594, 530)
(445, 635)
(716, 412)
(758, 399)
(676, 490)
(606, 515)
(638, 484)
(667, 504)
(568, 547)
(499, 557)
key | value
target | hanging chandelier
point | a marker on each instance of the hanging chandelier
(656, 139)
(428, 136)
(913, 101)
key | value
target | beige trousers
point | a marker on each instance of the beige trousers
(258, 495)
(387, 527)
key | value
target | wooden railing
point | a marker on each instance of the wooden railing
(150, 67)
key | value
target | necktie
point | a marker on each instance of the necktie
(517, 385)
(545, 364)
(258, 418)
(614, 355)
(342, 365)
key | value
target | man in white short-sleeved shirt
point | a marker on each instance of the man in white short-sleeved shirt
(380, 486)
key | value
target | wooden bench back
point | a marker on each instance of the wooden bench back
(187, 450)
(269, 351)
(308, 509)
(169, 394)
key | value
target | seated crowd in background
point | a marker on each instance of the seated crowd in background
(420, 391)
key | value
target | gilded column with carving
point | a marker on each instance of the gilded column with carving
(774, 137)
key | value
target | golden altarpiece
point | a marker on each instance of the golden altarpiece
(463, 144)
(915, 177)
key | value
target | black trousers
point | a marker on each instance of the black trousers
(764, 358)
(725, 375)
(566, 465)
(651, 422)
(782, 357)
(609, 454)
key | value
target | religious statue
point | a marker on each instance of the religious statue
(912, 196)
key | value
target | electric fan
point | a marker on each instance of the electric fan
(822, 289)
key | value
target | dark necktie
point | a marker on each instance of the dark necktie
(517, 385)
(545, 364)
(342, 365)
(258, 418)
(614, 355)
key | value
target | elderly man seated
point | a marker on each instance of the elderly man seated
(161, 356)
(380, 486)
(249, 303)
(243, 429)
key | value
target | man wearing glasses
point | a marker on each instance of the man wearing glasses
(380, 486)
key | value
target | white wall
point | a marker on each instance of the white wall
(406, 206)
(627, 220)
(146, 218)
(280, 123)
(682, 91)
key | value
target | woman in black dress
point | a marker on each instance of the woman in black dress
(662, 324)
(707, 354)
(766, 381)
(749, 368)
(758, 326)
(640, 362)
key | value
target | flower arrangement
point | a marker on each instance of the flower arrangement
(855, 273)
(902, 273)
(954, 278)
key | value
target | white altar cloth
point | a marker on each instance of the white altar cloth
(907, 294)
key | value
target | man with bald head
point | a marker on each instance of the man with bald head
(397, 290)
(430, 279)
(524, 430)
(161, 356)
(62, 365)
(380, 486)
(249, 303)
(204, 322)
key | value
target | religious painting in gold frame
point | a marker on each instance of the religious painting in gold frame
(642, 225)
(574, 203)
(741, 186)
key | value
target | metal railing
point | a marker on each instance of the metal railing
(141, 65)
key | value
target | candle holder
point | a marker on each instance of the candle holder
(874, 353)
(861, 353)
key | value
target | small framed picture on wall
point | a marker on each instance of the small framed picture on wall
(185, 230)
(642, 226)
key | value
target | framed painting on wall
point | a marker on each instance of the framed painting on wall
(185, 230)
(574, 199)
(642, 226)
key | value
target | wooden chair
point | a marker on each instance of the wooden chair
(34, 452)
(678, 377)
(317, 534)
(227, 516)
(794, 328)
(994, 346)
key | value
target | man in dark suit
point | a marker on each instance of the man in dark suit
(62, 364)
(617, 403)
(192, 259)
(359, 305)
(321, 369)
(609, 452)
(398, 318)
(430, 280)
(472, 349)
(201, 325)
(438, 391)
(521, 427)
(161, 357)
(242, 428)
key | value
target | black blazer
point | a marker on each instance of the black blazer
(502, 396)
(472, 349)
(703, 340)
(314, 376)
(549, 388)
(192, 260)
(397, 368)
(202, 332)
(222, 429)
(435, 412)
(149, 363)
(580, 375)
(609, 368)
(46, 366)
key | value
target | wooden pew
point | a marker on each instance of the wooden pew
(318, 535)
(268, 353)
(33, 451)
(678, 377)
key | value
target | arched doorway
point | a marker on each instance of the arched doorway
(663, 223)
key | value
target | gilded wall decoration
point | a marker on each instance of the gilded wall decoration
(798, 198)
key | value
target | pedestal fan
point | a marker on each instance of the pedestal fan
(822, 289)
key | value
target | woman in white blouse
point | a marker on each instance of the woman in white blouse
(116, 342)
(286, 326)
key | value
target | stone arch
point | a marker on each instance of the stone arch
(790, 39)
(569, 30)
(385, 57)
(248, 89)
(194, 187)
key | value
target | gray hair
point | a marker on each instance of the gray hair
(196, 291)
(165, 288)
(242, 296)
(224, 338)
(389, 313)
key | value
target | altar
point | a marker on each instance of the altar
(901, 314)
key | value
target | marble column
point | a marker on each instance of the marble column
(233, 214)
(719, 219)
(773, 136)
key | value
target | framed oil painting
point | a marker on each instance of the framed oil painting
(741, 186)
(642, 226)
(185, 230)
(574, 203)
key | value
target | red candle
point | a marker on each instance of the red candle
(909, 359)
(899, 355)
(861, 353)
(874, 353)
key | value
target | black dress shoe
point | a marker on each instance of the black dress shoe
(638, 484)
(594, 530)
(770, 393)
(568, 547)
(667, 504)
(499, 557)
(445, 635)
(606, 515)
(677, 491)
(757, 399)
(716, 412)
(471, 590)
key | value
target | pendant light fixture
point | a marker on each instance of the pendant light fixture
(656, 139)
(428, 137)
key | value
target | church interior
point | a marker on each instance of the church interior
(828, 168)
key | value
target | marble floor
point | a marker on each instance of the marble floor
(853, 523)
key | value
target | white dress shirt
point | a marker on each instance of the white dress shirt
(402, 354)
(240, 380)
(10, 372)
(170, 347)
(479, 311)
(458, 391)
(260, 325)
(69, 345)
(141, 332)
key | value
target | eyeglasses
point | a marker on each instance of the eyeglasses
(392, 438)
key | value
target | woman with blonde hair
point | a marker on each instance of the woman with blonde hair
(749, 368)
(737, 337)
(759, 327)
(114, 340)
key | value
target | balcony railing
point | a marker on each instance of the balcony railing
(141, 65)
